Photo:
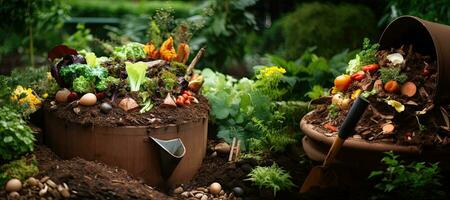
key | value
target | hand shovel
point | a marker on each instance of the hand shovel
(322, 176)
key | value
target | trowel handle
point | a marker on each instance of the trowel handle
(347, 128)
(354, 115)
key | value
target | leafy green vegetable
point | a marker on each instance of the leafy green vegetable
(272, 138)
(392, 73)
(132, 51)
(71, 72)
(364, 57)
(169, 79)
(16, 137)
(91, 59)
(272, 177)
(106, 83)
(136, 74)
(83, 85)
(20, 169)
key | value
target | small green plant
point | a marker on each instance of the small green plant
(414, 181)
(80, 39)
(392, 73)
(333, 111)
(37, 78)
(272, 177)
(16, 137)
(272, 138)
(168, 79)
(20, 169)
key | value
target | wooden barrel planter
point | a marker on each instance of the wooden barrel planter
(129, 147)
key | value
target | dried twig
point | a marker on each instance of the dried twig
(194, 62)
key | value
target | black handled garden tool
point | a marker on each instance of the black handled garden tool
(322, 176)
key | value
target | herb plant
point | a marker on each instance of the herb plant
(16, 137)
(392, 73)
(272, 177)
(20, 169)
(413, 181)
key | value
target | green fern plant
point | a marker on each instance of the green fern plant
(272, 177)
(271, 139)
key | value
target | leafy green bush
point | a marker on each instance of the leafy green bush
(16, 137)
(414, 181)
(30, 23)
(310, 73)
(272, 177)
(331, 28)
(433, 10)
(20, 169)
(106, 8)
(37, 78)
(246, 108)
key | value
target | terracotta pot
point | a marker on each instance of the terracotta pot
(130, 147)
(360, 153)
(427, 38)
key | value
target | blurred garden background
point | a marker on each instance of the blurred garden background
(313, 40)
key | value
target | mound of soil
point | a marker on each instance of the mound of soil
(156, 117)
(93, 180)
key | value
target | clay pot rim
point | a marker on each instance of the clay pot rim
(309, 131)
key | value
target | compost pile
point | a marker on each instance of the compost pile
(138, 85)
(400, 86)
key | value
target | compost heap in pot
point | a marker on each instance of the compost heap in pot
(400, 86)
(137, 85)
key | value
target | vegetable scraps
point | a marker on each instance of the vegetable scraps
(136, 74)
(364, 57)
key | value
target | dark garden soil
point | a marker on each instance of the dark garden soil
(92, 180)
(159, 116)
(233, 174)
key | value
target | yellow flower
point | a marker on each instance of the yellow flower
(25, 97)
(270, 71)
(356, 93)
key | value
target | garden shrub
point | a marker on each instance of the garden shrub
(104, 8)
(331, 28)
(16, 137)
(433, 10)
(20, 169)
(272, 177)
(416, 180)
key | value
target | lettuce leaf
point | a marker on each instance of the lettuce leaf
(136, 74)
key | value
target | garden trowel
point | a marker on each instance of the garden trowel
(322, 176)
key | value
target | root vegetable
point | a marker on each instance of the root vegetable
(409, 89)
(342, 82)
(391, 86)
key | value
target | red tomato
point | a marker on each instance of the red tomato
(370, 68)
(342, 82)
(358, 76)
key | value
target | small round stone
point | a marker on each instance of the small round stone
(105, 107)
(215, 188)
(238, 191)
(178, 190)
(13, 185)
